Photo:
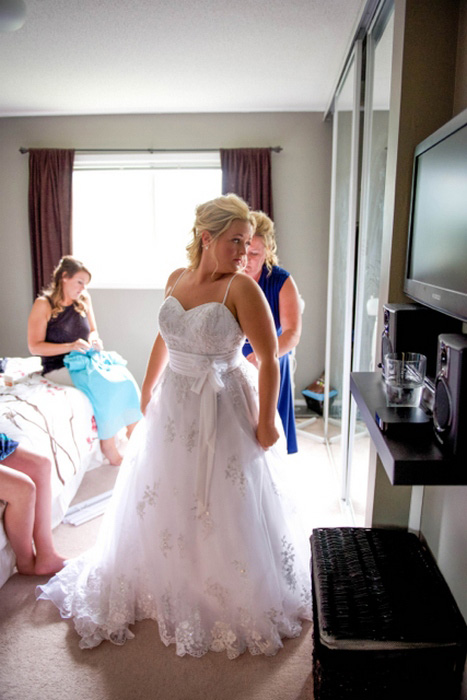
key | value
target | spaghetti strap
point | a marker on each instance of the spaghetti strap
(176, 282)
(228, 287)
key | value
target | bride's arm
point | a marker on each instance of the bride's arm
(255, 318)
(159, 354)
(157, 361)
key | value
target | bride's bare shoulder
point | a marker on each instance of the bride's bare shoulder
(173, 279)
(242, 284)
(245, 294)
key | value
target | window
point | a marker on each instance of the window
(133, 213)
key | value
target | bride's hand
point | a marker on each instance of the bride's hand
(145, 399)
(267, 436)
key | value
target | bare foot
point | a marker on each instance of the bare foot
(27, 568)
(48, 564)
(110, 451)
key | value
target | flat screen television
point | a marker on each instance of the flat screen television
(436, 272)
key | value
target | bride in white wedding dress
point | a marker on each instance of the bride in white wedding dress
(199, 535)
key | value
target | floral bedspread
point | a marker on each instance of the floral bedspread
(56, 421)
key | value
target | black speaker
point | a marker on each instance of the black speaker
(450, 402)
(415, 328)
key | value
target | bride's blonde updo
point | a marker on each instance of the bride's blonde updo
(216, 216)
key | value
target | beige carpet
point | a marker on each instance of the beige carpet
(40, 658)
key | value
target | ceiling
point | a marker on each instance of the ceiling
(174, 56)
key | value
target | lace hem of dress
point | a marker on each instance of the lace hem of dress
(191, 641)
(258, 635)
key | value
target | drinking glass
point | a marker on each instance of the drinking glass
(404, 375)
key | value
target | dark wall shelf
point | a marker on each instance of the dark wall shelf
(411, 459)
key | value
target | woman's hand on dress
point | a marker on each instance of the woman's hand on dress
(80, 345)
(252, 358)
(267, 436)
(97, 344)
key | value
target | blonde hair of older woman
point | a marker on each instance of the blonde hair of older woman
(216, 216)
(265, 231)
(67, 266)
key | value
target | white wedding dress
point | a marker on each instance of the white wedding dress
(198, 534)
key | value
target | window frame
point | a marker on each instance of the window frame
(147, 160)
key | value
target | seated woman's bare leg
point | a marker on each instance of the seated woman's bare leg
(109, 450)
(20, 493)
(38, 469)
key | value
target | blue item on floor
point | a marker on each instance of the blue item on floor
(315, 400)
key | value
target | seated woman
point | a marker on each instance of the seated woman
(26, 488)
(286, 306)
(62, 321)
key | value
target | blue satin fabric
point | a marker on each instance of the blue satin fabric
(110, 387)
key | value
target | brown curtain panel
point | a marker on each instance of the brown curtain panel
(50, 182)
(247, 172)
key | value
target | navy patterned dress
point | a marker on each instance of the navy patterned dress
(7, 446)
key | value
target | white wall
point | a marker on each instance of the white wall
(127, 320)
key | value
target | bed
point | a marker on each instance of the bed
(56, 421)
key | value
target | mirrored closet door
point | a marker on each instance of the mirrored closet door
(367, 290)
(342, 241)
(360, 113)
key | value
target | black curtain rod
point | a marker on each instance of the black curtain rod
(274, 149)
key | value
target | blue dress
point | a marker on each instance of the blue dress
(271, 284)
(110, 387)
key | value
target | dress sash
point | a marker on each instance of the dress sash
(207, 371)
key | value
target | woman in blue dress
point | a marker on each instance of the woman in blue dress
(286, 306)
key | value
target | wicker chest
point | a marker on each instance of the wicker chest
(385, 623)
